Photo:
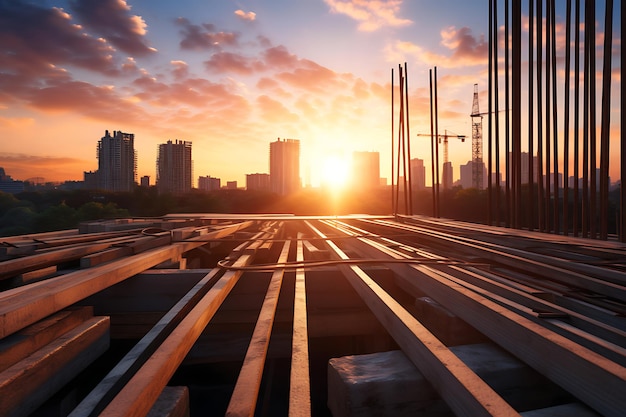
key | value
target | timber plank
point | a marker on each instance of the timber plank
(145, 386)
(19, 345)
(244, 398)
(28, 383)
(464, 391)
(299, 383)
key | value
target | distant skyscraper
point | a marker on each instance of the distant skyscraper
(231, 185)
(259, 182)
(418, 174)
(447, 175)
(174, 167)
(209, 183)
(117, 161)
(145, 181)
(365, 170)
(467, 175)
(285, 166)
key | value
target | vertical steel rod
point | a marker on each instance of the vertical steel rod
(507, 128)
(432, 146)
(566, 117)
(622, 206)
(408, 139)
(555, 127)
(593, 225)
(490, 118)
(540, 196)
(497, 113)
(606, 120)
(530, 205)
(393, 201)
(576, 199)
(516, 94)
(437, 146)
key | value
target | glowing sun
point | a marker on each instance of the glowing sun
(335, 171)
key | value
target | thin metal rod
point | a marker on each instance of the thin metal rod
(576, 199)
(507, 128)
(540, 196)
(497, 113)
(490, 118)
(555, 126)
(566, 117)
(408, 139)
(393, 201)
(432, 146)
(548, 144)
(437, 145)
(593, 225)
(530, 206)
(516, 94)
(585, 167)
(606, 120)
(622, 216)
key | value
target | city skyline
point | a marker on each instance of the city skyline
(231, 75)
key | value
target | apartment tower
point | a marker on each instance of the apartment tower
(117, 162)
(285, 166)
(174, 167)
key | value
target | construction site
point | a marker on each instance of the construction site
(205, 314)
(282, 315)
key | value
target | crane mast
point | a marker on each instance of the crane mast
(477, 142)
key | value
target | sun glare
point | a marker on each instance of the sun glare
(335, 172)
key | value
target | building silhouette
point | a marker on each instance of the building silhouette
(174, 167)
(208, 183)
(365, 170)
(8, 184)
(117, 162)
(447, 177)
(467, 175)
(145, 181)
(258, 182)
(285, 166)
(418, 174)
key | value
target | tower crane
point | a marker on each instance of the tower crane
(447, 167)
(477, 142)
(445, 137)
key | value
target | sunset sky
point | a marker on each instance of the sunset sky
(231, 77)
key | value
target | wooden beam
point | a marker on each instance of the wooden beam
(30, 303)
(115, 380)
(244, 398)
(464, 391)
(594, 379)
(18, 346)
(145, 386)
(299, 383)
(30, 382)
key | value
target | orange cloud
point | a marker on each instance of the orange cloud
(371, 14)
(249, 16)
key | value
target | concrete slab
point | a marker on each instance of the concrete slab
(388, 383)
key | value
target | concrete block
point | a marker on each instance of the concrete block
(388, 383)
(377, 384)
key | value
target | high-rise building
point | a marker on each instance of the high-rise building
(418, 174)
(467, 175)
(259, 182)
(145, 181)
(365, 170)
(285, 166)
(447, 175)
(174, 167)
(209, 183)
(117, 161)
